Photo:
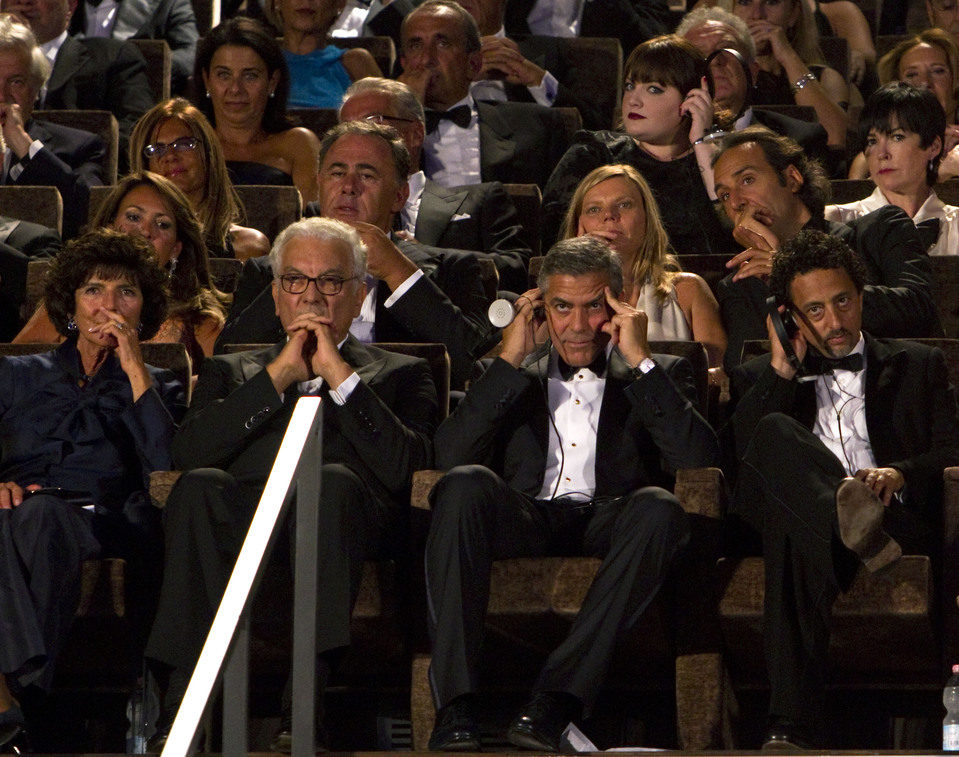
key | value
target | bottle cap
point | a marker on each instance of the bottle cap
(955, 669)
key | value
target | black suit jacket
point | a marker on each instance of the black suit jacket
(72, 161)
(101, 74)
(910, 415)
(19, 242)
(236, 419)
(172, 20)
(897, 299)
(503, 424)
(629, 21)
(447, 305)
(810, 136)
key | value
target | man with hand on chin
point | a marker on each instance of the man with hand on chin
(841, 464)
(379, 415)
(559, 443)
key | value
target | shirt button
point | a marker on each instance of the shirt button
(576, 402)
(573, 444)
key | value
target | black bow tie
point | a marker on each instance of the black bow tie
(460, 115)
(928, 231)
(817, 364)
(598, 366)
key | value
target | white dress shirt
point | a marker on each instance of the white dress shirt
(543, 93)
(411, 210)
(556, 18)
(363, 327)
(841, 415)
(451, 154)
(100, 18)
(933, 207)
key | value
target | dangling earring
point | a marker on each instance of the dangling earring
(932, 165)
(172, 268)
(139, 328)
(273, 93)
(208, 94)
(72, 324)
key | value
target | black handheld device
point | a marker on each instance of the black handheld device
(786, 328)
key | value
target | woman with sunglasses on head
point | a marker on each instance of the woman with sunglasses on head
(174, 139)
(667, 116)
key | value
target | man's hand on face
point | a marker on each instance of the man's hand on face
(753, 232)
(417, 77)
(14, 133)
(779, 362)
(384, 259)
(527, 331)
(502, 59)
(309, 352)
(627, 330)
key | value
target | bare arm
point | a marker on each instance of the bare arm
(702, 312)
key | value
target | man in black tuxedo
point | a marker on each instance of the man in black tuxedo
(771, 191)
(841, 464)
(379, 414)
(88, 74)
(170, 20)
(559, 445)
(478, 217)
(40, 153)
(20, 241)
(417, 293)
(469, 141)
(710, 28)
(629, 21)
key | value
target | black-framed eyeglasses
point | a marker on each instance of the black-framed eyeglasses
(159, 149)
(297, 283)
(384, 120)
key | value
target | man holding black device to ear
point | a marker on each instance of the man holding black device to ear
(559, 449)
(841, 464)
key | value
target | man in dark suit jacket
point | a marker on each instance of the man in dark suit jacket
(20, 241)
(469, 141)
(170, 20)
(380, 412)
(479, 217)
(771, 191)
(421, 294)
(549, 449)
(841, 465)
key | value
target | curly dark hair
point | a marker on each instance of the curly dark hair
(109, 254)
(812, 250)
(245, 32)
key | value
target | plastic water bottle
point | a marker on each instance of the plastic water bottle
(950, 723)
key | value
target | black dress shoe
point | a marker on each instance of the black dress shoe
(455, 728)
(859, 512)
(540, 724)
(283, 738)
(783, 737)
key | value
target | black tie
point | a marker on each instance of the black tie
(817, 364)
(460, 115)
(597, 366)
(928, 231)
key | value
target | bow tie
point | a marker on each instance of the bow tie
(460, 115)
(817, 364)
(598, 366)
(928, 231)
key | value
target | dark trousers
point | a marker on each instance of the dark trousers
(478, 518)
(787, 492)
(205, 521)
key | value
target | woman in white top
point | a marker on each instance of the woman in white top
(903, 127)
(614, 203)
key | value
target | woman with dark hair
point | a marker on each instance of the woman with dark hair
(82, 427)
(174, 139)
(903, 129)
(666, 116)
(320, 72)
(147, 205)
(247, 83)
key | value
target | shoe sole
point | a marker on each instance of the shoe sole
(457, 746)
(859, 513)
(529, 741)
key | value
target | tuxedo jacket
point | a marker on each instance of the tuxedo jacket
(503, 424)
(897, 299)
(172, 20)
(910, 414)
(236, 419)
(101, 74)
(519, 142)
(72, 161)
(629, 21)
(447, 305)
(810, 136)
(19, 242)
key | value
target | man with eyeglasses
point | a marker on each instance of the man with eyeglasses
(379, 415)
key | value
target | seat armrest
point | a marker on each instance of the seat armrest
(423, 483)
(702, 491)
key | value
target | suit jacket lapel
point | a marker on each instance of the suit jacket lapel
(7, 225)
(70, 59)
(437, 207)
(131, 15)
(882, 379)
(496, 147)
(613, 412)
(358, 355)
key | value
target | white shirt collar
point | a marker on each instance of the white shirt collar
(417, 182)
(51, 48)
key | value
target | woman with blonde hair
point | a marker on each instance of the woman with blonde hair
(174, 139)
(615, 204)
(147, 205)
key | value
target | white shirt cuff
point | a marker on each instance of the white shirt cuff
(342, 393)
(402, 288)
(545, 93)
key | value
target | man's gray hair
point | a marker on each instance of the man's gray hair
(17, 37)
(471, 35)
(704, 13)
(579, 256)
(407, 105)
(323, 229)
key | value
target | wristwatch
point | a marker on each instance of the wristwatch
(802, 81)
